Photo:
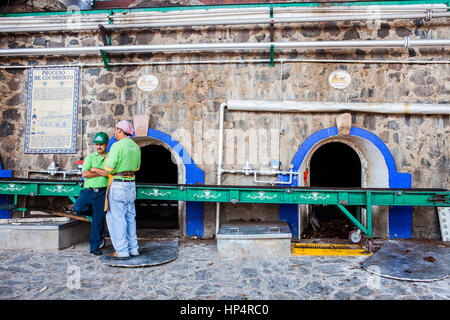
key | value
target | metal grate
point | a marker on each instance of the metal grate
(312, 249)
(328, 246)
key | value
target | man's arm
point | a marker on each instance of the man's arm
(94, 173)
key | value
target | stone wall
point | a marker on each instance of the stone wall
(189, 95)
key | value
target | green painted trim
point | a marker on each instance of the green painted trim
(236, 6)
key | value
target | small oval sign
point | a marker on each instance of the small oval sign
(339, 79)
(148, 82)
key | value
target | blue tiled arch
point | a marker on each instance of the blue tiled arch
(400, 218)
(194, 175)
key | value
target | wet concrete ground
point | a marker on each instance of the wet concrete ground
(200, 273)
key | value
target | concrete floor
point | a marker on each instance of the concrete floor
(200, 273)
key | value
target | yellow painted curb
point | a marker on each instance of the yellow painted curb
(307, 249)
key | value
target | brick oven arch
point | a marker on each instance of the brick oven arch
(379, 171)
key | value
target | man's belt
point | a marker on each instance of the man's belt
(95, 189)
(126, 174)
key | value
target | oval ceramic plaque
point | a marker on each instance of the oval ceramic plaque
(148, 82)
(339, 79)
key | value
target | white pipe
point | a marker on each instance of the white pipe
(272, 182)
(290, 173)
(210, 47)
(75, 22)
(328, 106)
(283, 60)
(220, 161)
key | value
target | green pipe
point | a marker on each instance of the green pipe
(235, 6)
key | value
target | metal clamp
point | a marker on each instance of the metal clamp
(406, 42)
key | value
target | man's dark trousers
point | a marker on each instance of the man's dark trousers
(91, 202)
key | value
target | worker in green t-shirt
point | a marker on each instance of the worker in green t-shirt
(92, 198)
(124, 158)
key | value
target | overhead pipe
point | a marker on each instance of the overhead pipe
(213, 18)
(329, 106)
(210, 47)
(282, 60)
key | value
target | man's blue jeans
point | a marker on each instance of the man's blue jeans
(92, 203)
(121, 218)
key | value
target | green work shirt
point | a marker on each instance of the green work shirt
(94, 160)
(124, 155)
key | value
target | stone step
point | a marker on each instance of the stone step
(41, 233)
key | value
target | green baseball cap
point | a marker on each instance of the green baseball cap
(100, 137)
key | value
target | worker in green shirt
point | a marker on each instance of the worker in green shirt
(92, 197)
(124, 158)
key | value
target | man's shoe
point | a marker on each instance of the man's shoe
(97, 252)
(135, 255)
(116, 257)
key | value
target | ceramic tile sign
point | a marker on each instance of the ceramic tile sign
(339, 79)
(148, 82)
(52, 110)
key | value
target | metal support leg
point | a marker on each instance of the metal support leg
(352, 219)
(369, 213)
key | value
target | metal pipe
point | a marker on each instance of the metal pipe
(272, 182)
(145, 63)
(220, 161)
(71, 23)
(290, 173)
(329, 106)
(209, 47)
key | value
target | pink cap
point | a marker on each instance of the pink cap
(125, 126)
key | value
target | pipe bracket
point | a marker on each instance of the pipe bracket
(272, 54)
(105, 58)
(406, 42)
(106, 38)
